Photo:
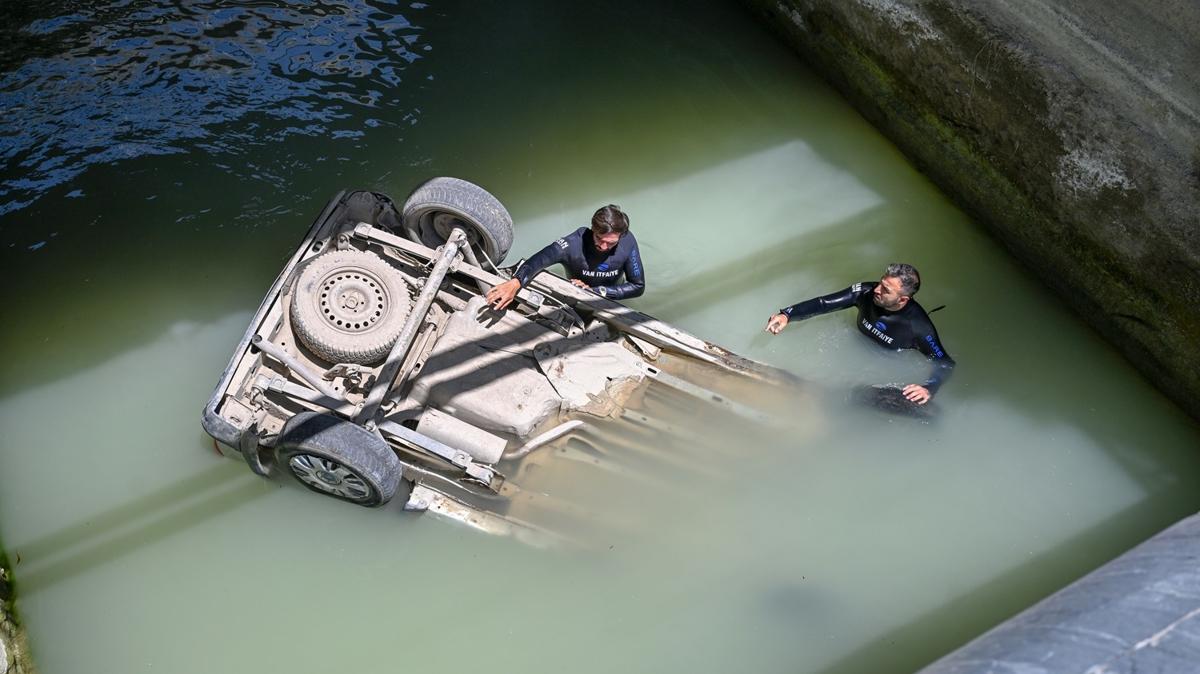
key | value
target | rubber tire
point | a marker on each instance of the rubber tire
(317, 329)
(487, 223)
(365, 454)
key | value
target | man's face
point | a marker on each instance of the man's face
(888, 294)
(605, 242)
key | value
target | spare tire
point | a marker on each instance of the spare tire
(349, 306)
(435, 208)
(338, 458)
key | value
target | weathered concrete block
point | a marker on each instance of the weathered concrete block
(1138, 613)
(1070, 128)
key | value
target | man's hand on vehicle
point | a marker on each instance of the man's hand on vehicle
(917, 393)
(502, 295)
(777, 323)
(599, 290)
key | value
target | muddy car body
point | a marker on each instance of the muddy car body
(374, 369)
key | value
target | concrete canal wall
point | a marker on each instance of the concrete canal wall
(1138, 613)
(1069, 128)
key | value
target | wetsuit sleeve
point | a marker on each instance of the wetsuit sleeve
(929, 344)
(826, 303)
(554, 253)
(635, 278)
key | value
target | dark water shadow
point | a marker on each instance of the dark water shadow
(108, 535)
(99, 83)
(831, 246)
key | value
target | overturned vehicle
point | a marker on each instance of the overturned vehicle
(374, 370)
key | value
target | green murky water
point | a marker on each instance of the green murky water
(148, 204)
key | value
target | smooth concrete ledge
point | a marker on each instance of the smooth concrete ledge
(1069, 128)
(1138, 613)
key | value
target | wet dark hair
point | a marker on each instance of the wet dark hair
(910, 280)
(609, 219)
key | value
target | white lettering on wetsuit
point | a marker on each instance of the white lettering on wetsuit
(600, 272)
(598, 269)
(876, 332)
(906, 328)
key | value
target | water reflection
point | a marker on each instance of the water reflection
(121, 80)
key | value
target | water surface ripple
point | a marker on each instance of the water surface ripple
(97, 85)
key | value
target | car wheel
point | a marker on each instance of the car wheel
(435, 208)
(349, 306)
(338, 458)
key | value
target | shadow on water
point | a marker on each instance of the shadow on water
(135, 524)
(833, 246)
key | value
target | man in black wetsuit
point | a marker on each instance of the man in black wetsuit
(595, 259)
(887, 314)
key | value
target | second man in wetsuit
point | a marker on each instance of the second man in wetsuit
(604, 259)
(888, 314)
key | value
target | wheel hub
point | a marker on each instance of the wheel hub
(445, 223)
(352, 300)
(328, 476)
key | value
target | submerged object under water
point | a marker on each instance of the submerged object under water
(889, 399)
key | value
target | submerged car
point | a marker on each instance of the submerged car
(374, 370)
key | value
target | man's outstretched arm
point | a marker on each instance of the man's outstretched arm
(502, 295)
(824, 304)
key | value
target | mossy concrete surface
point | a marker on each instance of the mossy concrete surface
(1069, 128)
(14, 649)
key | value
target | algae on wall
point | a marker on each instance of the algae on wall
(1071, 129)
(14, 650)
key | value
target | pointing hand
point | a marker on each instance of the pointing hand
(776, 323)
